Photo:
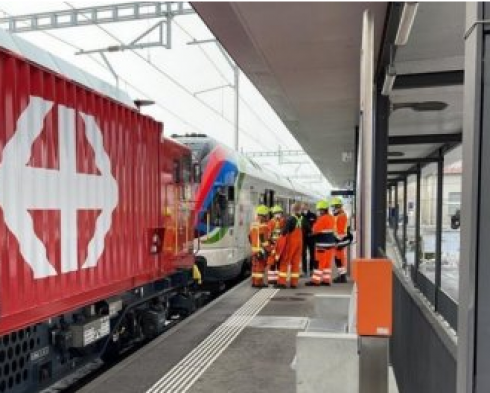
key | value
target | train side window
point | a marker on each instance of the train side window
(231, 206)
(231, 194)
(254, 198)
(186, 169)
(176, 171)
(197, 173)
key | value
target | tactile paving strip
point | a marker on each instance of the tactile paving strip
(183, 375)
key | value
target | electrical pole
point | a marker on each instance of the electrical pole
(236, 73)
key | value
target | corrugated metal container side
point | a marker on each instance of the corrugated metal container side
(79, 193)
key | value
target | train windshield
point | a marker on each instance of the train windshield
(221, 211)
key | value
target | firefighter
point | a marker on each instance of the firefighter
(259, 239)
(276, 224)
(288, 248)
(344, 236)
(325, 242)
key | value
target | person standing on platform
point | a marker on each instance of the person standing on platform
(276, 224)
(325, 242)
(288, 250)
(259, 239)
(309, 219)
(344, 236)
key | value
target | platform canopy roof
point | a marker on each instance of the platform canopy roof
(305, 60)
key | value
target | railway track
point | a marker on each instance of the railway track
(84, 375)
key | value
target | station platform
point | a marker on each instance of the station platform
(244, 341)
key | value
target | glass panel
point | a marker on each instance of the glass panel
(221, 212)
(186, 169)
(411, 215)
(428, 202)
(176, 171)
(451, 224)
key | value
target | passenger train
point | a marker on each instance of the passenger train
(231, 186)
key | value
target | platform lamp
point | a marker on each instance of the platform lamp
(406, 22)
(143, 102)
(404, 29)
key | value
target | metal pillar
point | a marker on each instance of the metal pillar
(236, 75)
(417, 223)
(473, 360)
(380, 152)
(364, 192)
(390, 197)
(236, 79)
(395, 206)
(404, 228)
(373, 364)
(439, 202)
(356, 179)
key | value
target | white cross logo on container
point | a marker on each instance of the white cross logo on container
(24, 188)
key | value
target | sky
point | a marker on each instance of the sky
(171, 77)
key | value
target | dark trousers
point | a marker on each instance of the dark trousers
(308, 247)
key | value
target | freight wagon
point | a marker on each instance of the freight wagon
(96, 226)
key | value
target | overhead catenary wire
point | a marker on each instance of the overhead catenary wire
(225, 79)
(126, 82)
(171, 79)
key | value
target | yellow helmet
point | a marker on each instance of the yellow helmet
(322, 205)
(262, 210)
(277, 209)
(336, 201)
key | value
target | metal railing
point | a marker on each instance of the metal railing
(443, 304)
(422, 348)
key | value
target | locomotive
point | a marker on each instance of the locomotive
(96, 220)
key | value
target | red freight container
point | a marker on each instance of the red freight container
(83, 180)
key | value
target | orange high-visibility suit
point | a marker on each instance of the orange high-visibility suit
(259, 239)
(325, 242)
(276, 226)
(341, 223)
(288, 251)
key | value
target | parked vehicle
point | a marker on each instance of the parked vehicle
(456, 220)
